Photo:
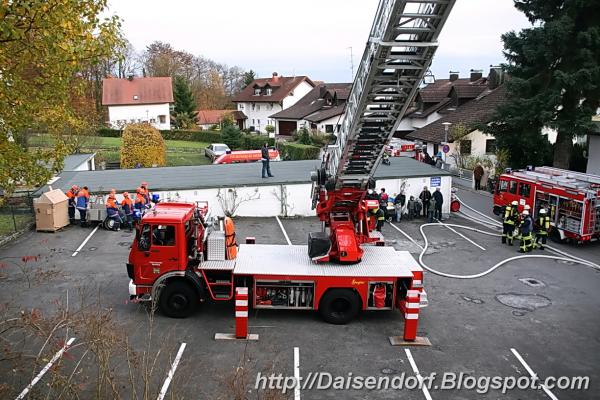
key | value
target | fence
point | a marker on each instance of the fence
(16, 213)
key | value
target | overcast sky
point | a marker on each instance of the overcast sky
(308, 37)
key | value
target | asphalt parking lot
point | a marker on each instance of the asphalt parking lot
(543, 311)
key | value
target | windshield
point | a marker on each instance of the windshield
(221, 148)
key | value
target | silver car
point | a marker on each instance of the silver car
(215, 150)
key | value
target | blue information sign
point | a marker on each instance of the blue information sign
(436, 181)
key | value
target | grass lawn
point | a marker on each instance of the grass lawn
(7, 225)
(179, 152)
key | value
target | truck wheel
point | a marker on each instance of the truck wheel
(339, 306)
(555, 236)
(178, 300)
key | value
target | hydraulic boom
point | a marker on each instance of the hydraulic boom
(401, 45)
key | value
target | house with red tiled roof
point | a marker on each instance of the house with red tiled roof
(208, 118)
(267, 96)
(471, 114)
(135, 100)
(322, 109)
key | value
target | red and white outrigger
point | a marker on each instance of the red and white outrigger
(180, 258)
(571, 198)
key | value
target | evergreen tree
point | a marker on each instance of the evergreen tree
(249, 77)
(185, 104)
(232, 137)
(555, 78)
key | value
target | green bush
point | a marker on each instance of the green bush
(194, 136)
(108, 132)
(232, 137)
(254, 142)
(177, 134)
(297, 151)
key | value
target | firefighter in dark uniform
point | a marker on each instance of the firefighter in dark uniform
(542, 225)
(508, 222)
(526, 233)
(380, 216)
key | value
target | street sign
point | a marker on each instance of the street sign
(446, 148)
(435, 181)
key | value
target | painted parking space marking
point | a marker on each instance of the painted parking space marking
(406, 235)
(85, 241)
(287, 238)
(461, 235)
(45, 369)
(165, 386)
(415, 369)
(533, 374)
(297, 373)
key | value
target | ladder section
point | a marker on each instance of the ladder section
(399, 51)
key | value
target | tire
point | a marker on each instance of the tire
(109, 224)
(178, 300)
(339, 306)
(555, 236)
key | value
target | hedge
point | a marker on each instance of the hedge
(194, 136)
(297, 151)
(254, 142)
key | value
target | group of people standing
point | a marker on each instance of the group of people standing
(531, 234)
(121, 212)
(396, 207)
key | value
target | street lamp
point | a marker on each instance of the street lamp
(446, 127)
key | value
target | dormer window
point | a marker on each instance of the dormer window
(269, 91)
(257, 91)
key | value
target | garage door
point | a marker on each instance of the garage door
(287, 127)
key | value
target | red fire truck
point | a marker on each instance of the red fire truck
(572, 199)
(242, 156)
(180, 258)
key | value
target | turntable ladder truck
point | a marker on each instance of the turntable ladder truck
(180, 259)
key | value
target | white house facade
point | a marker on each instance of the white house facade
(135, 100)
(267, 96)
(155, 114)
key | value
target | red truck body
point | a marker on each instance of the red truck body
(241, 156)
(572, 199)
(179, 260)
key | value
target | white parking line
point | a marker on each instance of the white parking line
(297, 373)
(463, 236)
(417, 374)
(533, 374)
(165, 386)
(287, 238)
(85, 241)
(45, 369)
(406, 234)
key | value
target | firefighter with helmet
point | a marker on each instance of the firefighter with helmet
(526, 232)
(508, 222)
(379, 216)
(542, 226)
(72, 196)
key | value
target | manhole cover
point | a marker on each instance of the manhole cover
(124, 244)
(472, 300)
(529, 302)
(532, 282)
(518, 313)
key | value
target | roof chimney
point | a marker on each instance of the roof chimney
(496, 77)
(130, 77)
(453, 76)
(275, 77)
(476, 74)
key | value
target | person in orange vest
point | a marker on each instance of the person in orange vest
(72, 196)
(81, 203)
(112, 210)
(127, 205)
(146, 192)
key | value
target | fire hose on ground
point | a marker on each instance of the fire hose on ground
(561, 257)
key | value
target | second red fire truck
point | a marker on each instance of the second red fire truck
(572, 200)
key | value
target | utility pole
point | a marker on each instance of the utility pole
(351, 65)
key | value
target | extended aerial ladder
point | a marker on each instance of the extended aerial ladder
(401, 45)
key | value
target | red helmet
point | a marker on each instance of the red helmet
(74, 187)
(126, 194)
(144, 184)
(138, 190)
